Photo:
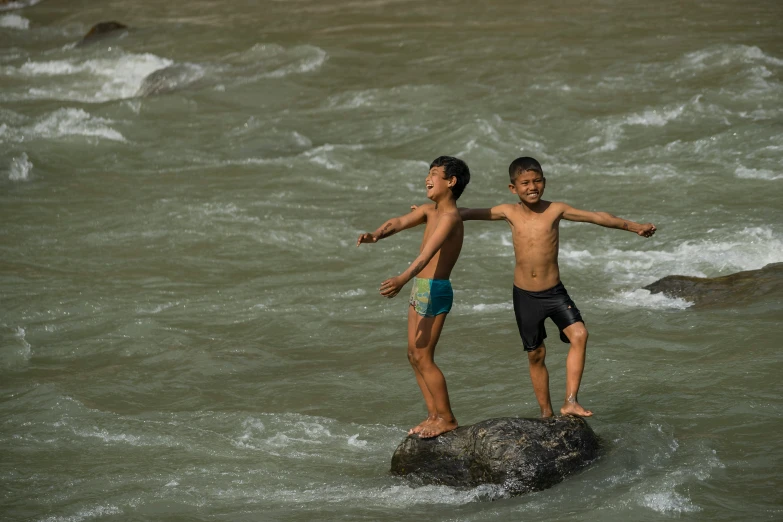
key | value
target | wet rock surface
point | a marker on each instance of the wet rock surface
(102, 30)
(731, 290)
(521, 455)
(169, 79)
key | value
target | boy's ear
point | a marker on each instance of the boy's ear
(455, 181)
(512, 188)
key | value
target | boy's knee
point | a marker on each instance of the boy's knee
(578, 334)
(415, 356)
(537, 356)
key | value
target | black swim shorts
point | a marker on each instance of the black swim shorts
(532, 308)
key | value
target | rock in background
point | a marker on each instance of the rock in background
(521, 455)
(102, 30)
(731, 290)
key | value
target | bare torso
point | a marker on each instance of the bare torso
(443, 261)
(536, 243)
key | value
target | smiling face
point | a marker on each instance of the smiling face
(437, 185)
(529, 186)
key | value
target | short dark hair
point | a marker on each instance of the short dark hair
(520, 165)
(454, 168)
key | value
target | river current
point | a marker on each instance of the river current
(188, 331)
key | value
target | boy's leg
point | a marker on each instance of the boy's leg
(432, 411)
(575, 365)
(423, 335)
(540, 377)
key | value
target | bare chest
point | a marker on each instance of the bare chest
(537, 232)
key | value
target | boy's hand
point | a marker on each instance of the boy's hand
(647, 230)
(391, 287)
(366, 238)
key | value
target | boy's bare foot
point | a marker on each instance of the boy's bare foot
(573, 408)
(437, 427)
(417, 429)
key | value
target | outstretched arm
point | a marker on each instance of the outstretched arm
(415, 217)
(392, 286)
(607, 220)
(484, 214)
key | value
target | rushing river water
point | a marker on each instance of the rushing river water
(188, 331)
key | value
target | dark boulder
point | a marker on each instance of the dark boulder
(170, 79)
(731, 290)
(101, 30)
(520, 455)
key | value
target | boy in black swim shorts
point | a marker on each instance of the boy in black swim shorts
(532, 308)
(538, 292)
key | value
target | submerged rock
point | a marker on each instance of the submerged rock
(521, 455)
(169, 79)
(740, 288)
(101, 30)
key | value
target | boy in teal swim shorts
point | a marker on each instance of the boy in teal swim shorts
(431, 296)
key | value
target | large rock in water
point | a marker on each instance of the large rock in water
(101, 30)
(521, 455)
(731, 290)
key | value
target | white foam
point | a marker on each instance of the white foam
(156, 309)
(93, 80)
(26, 348)
(73, 122)
(13, 21)
(669, 502)
(20, 168)
(84, 514)
(324, 155)
(282, 62)
(656, 118)
(226, 212)
(401, 496)
(354, 440)
(301, 139)
(354, 100)
(255, 53)
(312, 60)
(645, 299)
(578, 258)
(302, 437)
(18, 4)
(133, 440)
(727, 54)
(612, 134)
(51, 68)
(481, 307)
(748, 173)
(720, 252)
(354, 293)
(105, 436)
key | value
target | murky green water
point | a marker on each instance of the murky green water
(187, 330)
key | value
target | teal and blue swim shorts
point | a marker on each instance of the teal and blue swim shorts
(431, 297)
